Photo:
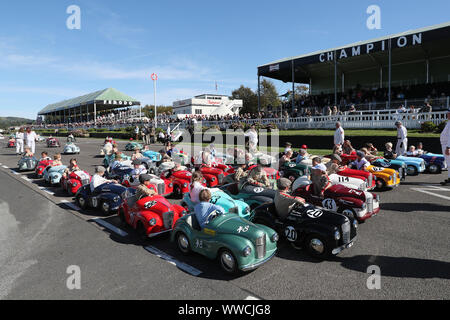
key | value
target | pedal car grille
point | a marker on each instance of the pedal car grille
(395, 177)
(168, 219)
(220, 178)
(422, 165)
(261, 247)
(85, 182)
(346, 232)
(161, 188)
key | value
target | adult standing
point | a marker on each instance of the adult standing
(402, 139)
(30, 139)
(339, 135)
(136, 132)
(252, 139)
(445, 143)
(19, 141)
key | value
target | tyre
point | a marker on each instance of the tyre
(380, 184)
(317, 246)
(141, 232)
(81, 202)
(227, 261)
(434, 169)
(349, 213)
(122, 216)
(104, 207)
(412, 171)
(183, 243)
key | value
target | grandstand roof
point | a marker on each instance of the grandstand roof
(422, 43)
(107, 99)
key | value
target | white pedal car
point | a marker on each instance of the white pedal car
(348, 182)
(71, 148)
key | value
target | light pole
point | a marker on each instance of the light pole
(155, 78)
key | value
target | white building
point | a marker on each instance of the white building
(207, 104)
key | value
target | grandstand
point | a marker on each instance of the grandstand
(88, 107)
(380, 73)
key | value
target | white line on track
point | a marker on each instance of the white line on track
(181, 265)
(432, 192)
(46, 190)
(109, 226)
(5, 167)
(25, 178)
(14, 172)
(251, 298)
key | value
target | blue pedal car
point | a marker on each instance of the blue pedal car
(434, 163)
(52, 175)
(414, 165)
(222, 199)
(106, 197)
(152, 155)
(27, 164)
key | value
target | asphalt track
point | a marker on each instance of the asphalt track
(42, 233)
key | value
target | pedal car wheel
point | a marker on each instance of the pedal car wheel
(433, 169)
(349, 213)
(105, 207)
(317, 246)
(227, 261)
(380, 184)
(412, 171)
(183, 243)
(81, 202)
(122, 216)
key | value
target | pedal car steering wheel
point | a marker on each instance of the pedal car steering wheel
(214, 214)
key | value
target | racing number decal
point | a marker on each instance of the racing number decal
(377, 169)
(314, 213)
(292, 165)
(243, 229)
(343, 179)
(329, 204)
(290, 233)
(199, 244)
(258, 190)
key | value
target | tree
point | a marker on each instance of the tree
(149, 110)
(249, 98)
(269, 96)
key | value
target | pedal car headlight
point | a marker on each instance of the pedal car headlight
(364, 206)
(355, 224)
(74, 184)
(170, 185)
(185, 185)
(275, 237)
(337, 235)
(116, 198)
(183, 213)
(152, 222)
(247, 251)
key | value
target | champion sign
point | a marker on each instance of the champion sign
(400, 42)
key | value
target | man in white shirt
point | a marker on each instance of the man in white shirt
(253, 138)
(19, 141)
(339, 135)
(98, 179)
(402, 139)
(30, 139)
(445, 143)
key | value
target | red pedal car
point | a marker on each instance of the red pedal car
(53, 143)
(43, 163)
(150, 216)
(11, 144)
(216, 174)
(338, 198)
(75, 181)
(272, 174)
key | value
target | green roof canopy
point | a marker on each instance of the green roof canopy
(107, 99)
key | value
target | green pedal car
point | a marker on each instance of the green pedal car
(238, 244)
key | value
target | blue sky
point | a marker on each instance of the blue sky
(190, 44)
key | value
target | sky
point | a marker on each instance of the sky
(191, 45)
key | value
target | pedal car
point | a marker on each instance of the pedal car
(71, 148)
(321, 232)
(11, 143)
(384, 177)
(434, 163)
(164, 187)
(43, 163)
(53, 143)
(216, 174)
(238, 244)
(75, 181)
(224, 200)
(180, 180)
(414, 165)
(152, 155)
(293, 171)
(27, 164)
(252, 195)
(367, 177)
(132, 145)
(53, 175)
(335, 179)
(338, 198)
(110, 159)
(396, 165)
(150, 216)
(106, 197)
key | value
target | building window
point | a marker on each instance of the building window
(198, 111)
